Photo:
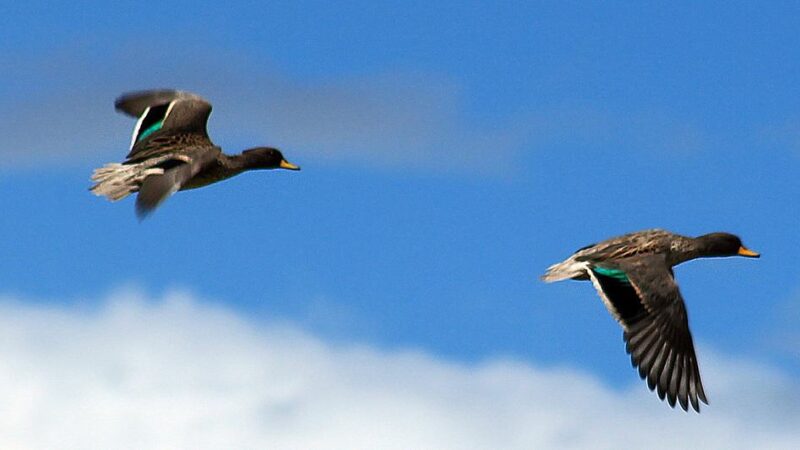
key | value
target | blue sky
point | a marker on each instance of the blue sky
(450, 153)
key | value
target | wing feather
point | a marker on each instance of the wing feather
(157, 188)
(650, 308)
(135, 103)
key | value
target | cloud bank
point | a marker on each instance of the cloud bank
(132, 372)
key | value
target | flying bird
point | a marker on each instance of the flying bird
(633, 275)
(170, 151)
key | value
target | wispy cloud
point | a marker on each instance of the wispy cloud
(405, 119)
(132, 372)
(589, 127)
(785, 134)
(784, 338)
(60, 109)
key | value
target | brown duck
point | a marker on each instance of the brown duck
(170, 151)
(633, 275)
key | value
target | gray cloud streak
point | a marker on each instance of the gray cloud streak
(413, 121)
(58, 110)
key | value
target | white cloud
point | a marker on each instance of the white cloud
(131, 372)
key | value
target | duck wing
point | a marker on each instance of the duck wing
(642, 295)
(167, 120)
(176, 172)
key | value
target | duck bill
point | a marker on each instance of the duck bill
(744, 251)
(287, 165)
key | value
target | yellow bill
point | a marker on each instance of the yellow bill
(744, 251)
(287, 165)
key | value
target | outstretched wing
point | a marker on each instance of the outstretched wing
(642, 295)
(168, 119)
(176, 172)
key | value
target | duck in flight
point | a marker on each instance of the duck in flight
(170, 151)
(633, 275)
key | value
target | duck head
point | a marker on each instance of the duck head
(723, 244)
(266, 158)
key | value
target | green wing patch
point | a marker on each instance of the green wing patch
(152, 120)
(611, 273)
(152, 129)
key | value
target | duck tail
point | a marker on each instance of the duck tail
(565, 270)
(116, 181)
